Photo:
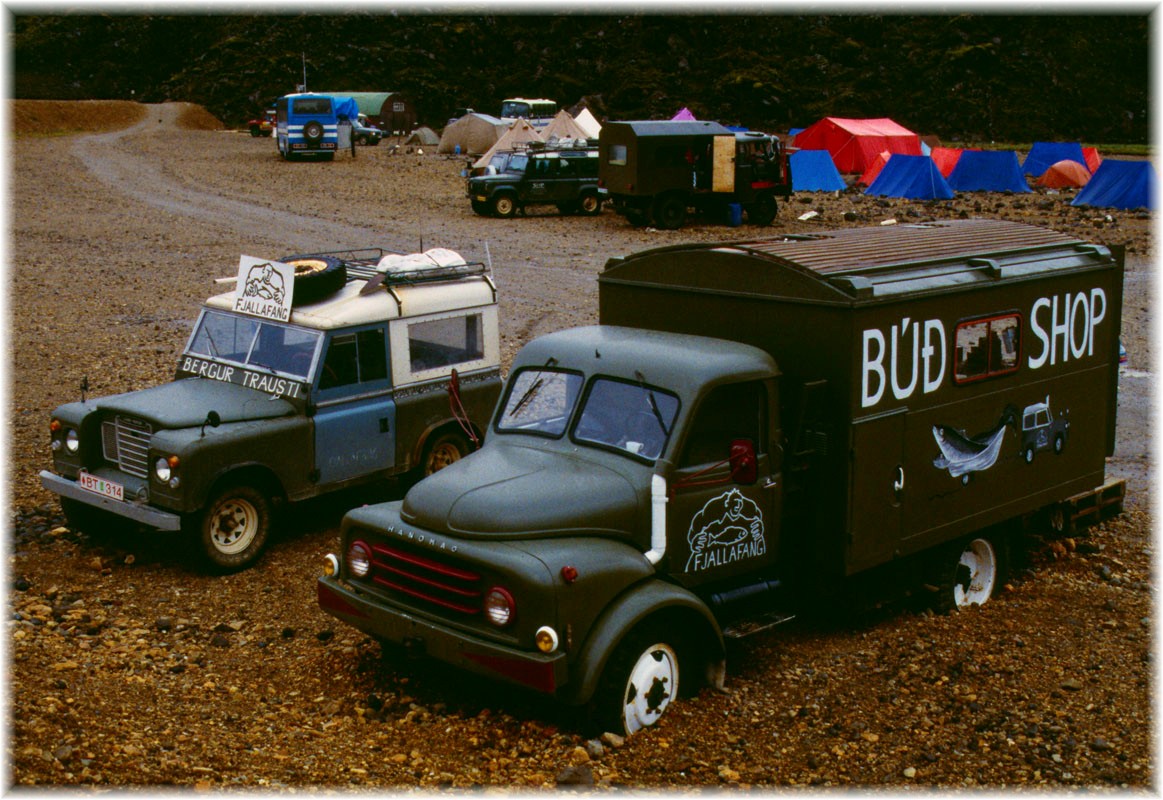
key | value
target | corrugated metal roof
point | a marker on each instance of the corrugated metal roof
(855, 251)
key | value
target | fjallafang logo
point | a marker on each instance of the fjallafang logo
(727, 529)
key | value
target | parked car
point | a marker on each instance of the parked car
(264, 125)
(365, 133)
(567, 179)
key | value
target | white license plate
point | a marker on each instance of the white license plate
(101, 486)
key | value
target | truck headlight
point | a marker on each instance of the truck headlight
(72, 441)
(359, 559)
(499, 606)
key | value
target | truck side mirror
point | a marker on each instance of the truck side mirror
(744, 467)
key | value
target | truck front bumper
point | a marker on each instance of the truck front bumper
(147, 515)
(538, 671)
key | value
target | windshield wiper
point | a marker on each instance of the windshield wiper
(653, 403)
(532, 391)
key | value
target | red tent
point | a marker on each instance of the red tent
(874, 168)
(1093, 159)
(855, 143)
(1064, 173)
(946, 159)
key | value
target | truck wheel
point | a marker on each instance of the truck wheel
(669, 212)
(316, 277)
(1028, 454)
(974, 569)
(504, 206)
(590, 204)
(762, 212)
(441, 451)
(480, 207)
(313, 132)
(1059, 444)
(232, 530)
(638, 685)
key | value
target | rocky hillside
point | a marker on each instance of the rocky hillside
(962, 77)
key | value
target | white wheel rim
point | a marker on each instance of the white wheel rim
(234, 526)
(653, 683)
(440, 457)
(980, 560)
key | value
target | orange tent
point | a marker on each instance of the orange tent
(875, 167)
(1062, 174)
(1093, 159)
(945, 158)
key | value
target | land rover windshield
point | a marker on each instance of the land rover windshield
(611, 413)
(254, 342)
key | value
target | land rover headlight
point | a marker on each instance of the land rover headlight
(499, 606)
(165, 470)
(72, 440)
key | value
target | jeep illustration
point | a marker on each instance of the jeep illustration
(1041, 430)
(566, 178)
(279, 399)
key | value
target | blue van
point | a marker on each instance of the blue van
(308, 124)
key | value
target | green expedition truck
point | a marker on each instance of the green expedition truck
(755, 428)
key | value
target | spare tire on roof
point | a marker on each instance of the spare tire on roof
(316, 277)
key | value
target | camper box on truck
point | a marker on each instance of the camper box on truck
(914, 362)
(755, 427)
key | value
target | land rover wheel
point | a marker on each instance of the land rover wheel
(481, 207)
(442, 450)
(762, 212)
(316, 277)
(1059, 444)
(313, 132)
(590, 204)
(669, 212)
(504, 205)
(232, 530)
(1028, 454)
(638, 685)
(974, 570)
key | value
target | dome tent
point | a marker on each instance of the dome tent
(1064, 174)
(473, 133)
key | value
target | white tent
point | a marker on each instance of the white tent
(563, 126)
(519, 132)
(588, 123)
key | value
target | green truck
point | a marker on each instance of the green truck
(316, 373)
(755, 428)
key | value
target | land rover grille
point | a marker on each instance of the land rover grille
(425, 579)
(125, 443)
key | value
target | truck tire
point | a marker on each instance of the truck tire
(590, 204)
(440, 451)
(231, 531)
(639, 683)
(481, 208)
(669, 212)
(973, 570)
(504, 205)
(316, 277)
(313, 132)
(762, 212)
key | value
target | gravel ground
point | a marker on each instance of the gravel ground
(127, 668)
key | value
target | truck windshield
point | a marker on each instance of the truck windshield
(540, 401)
(631, 417)
(511, 108)
(254, 342)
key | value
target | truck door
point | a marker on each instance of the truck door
(355, 418)
(723, 516)
(723, 171)
(877, 481)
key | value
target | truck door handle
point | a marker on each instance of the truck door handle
(771, 482)
(384, 428)
(898, 485)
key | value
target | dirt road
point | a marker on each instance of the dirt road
(128, 668)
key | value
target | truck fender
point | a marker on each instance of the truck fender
(651, 601)
(436, 429)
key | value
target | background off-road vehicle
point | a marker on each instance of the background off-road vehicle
(566, 178)
(376, 372)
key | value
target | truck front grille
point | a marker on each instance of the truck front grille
(425, 580)
(125, 443)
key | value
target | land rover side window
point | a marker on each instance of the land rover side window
(617, 155)
(631, 417)
(987, 347)
(445, 342)
(354, 358)
(732, 411)
(540, 401)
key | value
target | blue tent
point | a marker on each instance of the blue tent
(813, 171)
(1044, 154)
(911, 177)
(988, 171)
(1119, 184)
